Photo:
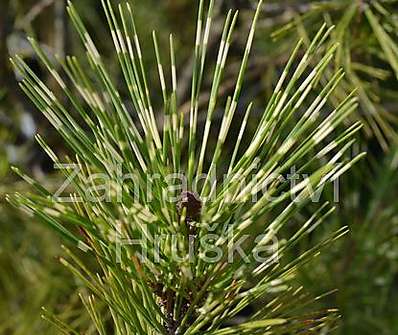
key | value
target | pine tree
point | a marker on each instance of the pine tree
(175, 284)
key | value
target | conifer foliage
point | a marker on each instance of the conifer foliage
(153, 241)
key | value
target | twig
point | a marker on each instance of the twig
(33, 13)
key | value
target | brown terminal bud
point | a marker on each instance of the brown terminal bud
(192, 203)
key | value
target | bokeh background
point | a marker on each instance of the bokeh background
(360, 271)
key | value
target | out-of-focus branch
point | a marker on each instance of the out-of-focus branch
(33, 13)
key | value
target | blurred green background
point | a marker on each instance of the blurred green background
(362, 266)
